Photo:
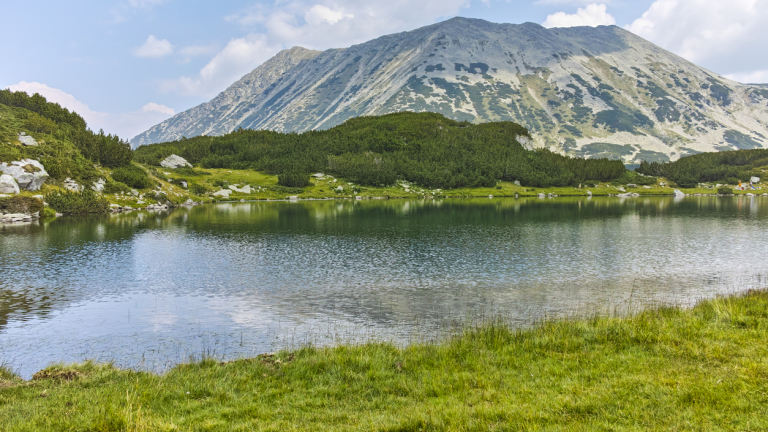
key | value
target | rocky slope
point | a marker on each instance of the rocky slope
(582, 91)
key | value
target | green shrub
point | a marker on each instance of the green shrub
(21, 204)
(198, 189)
(83, 202)
(132, 176)
(687, 181)
(724, 191)
(190, 172)
(293, 179)
(113, 187)
(48, 213)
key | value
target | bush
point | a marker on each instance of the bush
(293, 180)
(198, 189)
(724, 191)
(48, 213)
(113, 187)
(687, 181)
(83, 202)
(132, 176)
(21, 204)
(190, 172)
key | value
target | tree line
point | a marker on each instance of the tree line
(727, 167)
(104, 149)
(424, 148)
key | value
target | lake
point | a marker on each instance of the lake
(151, 289)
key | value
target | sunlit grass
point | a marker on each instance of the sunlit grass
(667, 369)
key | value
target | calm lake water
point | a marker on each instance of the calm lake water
(150, 289)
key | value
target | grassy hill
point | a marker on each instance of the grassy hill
(424, 148)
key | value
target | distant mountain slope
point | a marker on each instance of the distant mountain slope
(582, 91)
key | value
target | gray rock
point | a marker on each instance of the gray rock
(517, 182)
(223, 193)
(28, 173)
(134, 192)
(174, 161)
(72, 185)
(98, 185)
(678, 193)
(27, 140)
(541, 195)
(341, 189)
(8, 185)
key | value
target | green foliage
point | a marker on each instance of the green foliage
(21, 204)
(293, 179)
(424, 148)
(132, 176)
(724, 190)
(48, 213)
(729, 167)
(43, 117)
(190, 172)
(113, 187)
(84, 202)
(198, 189)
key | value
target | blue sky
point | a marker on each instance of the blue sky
(126, 65)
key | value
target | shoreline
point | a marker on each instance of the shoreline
(662, 368)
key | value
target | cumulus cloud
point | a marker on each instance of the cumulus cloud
(154, 48)
(723, 36)
(125, 125)
(592, 15)
(317, 24)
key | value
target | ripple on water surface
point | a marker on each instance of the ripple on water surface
(150, 289)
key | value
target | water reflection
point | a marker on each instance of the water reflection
(150, 288)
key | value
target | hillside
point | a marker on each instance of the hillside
(424, 148)
(592, 92)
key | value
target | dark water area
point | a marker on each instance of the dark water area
(151, 289)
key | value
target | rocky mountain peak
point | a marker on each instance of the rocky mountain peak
(593, 92)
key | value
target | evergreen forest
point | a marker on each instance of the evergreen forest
(424, 148)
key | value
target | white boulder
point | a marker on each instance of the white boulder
(174, 161)
(678, 193)
(98, 185)
(27, 140)
(72, 185)
(8, 185)
(754, 179)
(223, 193)
(28, 173)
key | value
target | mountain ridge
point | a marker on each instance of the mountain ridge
(582, 91)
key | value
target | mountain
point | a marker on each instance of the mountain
(583, 91)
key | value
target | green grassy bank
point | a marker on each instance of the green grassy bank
(700, 369)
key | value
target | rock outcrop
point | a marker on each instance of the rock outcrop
(174, 161)
(8, 185)
(28, 173)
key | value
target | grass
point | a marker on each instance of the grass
(704, 368)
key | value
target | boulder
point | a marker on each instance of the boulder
(98, 185)
(28, 173)
(8, 185)
(27, 140)
(318, 175)
(678, 193)
(754, 179)
(341, 189)
(71, 185)
(223, 193)
(541, 195)
(517, 182)
(174, 161)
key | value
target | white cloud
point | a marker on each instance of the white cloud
(319, 14)
(316, 24)
(728, 37)
(154, 48)
(754, 77)
(125, 125)
(235, 60)
(592, 15)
